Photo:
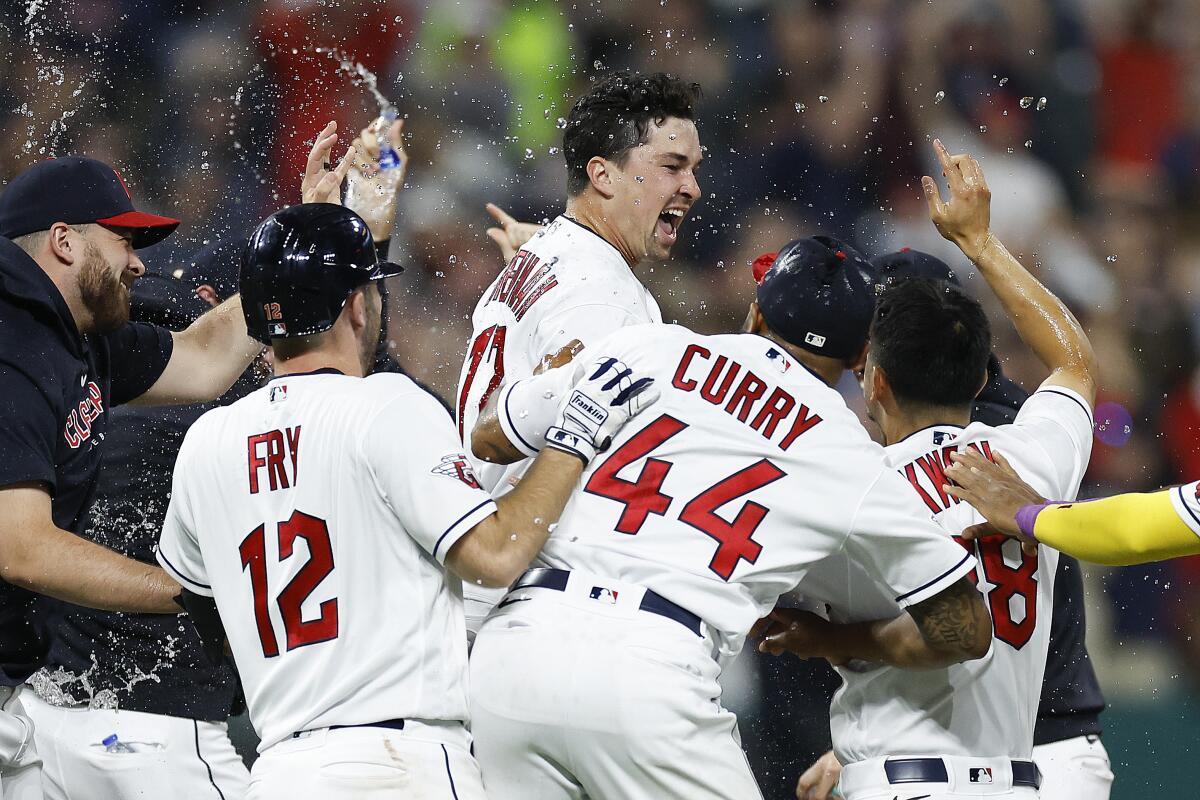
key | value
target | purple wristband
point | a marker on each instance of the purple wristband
(1027, 516)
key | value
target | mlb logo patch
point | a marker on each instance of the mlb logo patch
(278, 393)
(815, 339)
(980, 774)
(604, 595)
(778, 359)
(277, 329)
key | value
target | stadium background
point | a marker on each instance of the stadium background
(1085, 115)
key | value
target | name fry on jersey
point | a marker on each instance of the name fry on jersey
(777, 407)
(278, 445)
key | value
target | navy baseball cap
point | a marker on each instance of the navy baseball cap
(76, 190)
(905, 263)
(817, 294)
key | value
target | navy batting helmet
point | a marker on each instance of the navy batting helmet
(301, 265)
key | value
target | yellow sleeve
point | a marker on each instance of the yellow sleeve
(1120, 530)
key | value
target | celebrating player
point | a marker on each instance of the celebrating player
(68, 354)
(596, 675)
(369, 475)
(928, 356)
(632, 153)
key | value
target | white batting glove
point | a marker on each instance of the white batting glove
(598, 407)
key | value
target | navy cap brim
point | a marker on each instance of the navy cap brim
(147, 229)
(385, 269)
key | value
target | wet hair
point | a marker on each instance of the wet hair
(615, 116)
(932, 341)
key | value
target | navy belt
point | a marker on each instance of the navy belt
(653, 602)
(394, 724)
(933, 770)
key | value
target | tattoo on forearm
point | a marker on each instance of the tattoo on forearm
(953, 619)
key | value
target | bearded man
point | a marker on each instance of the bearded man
(68, 353)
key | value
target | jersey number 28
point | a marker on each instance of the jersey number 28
(299, 632)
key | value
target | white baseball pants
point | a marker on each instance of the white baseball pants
(1074, 769)
(969, 777)
(574, 697)
(21, 780)
(174, 759)
(422, 762)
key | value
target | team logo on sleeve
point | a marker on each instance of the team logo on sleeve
(456, 466)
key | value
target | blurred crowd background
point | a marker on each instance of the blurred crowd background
(817, 117)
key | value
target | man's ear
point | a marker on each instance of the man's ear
(60, 244)
(601, 176)
(356, 309)
(880, 388)
(755, 321)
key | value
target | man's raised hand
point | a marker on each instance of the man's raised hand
(511, 235)
(370, 190)
(965, 218)
(320, 183)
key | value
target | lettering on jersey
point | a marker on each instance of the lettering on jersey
(525, 281)
(927, 475)
(268, 451)
(79, 422)
(456, 466)
(722, 373)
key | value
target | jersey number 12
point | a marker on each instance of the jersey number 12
(299, 632)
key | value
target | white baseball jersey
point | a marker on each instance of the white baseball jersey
(566, 283)
(986, 707)
(318, 512)
(745, 472)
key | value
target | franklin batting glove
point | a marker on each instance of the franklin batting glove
(600, 404)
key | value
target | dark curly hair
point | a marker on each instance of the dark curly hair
(614, 117)
(932, 340)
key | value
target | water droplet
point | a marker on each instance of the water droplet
(1029, 142)
(453, 259)
(639, 178)
(983, 128)
(528, 154)
(548, 395)
(553, 151)
(1041, 104)
(800, 108)
(1031, 52)
(1003, 81)
(1026, 102)
(598, 64)
(939, 97)
(560, 123)
(823, 99)
(1111, 259)
(512, 538)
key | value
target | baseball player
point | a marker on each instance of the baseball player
(321, 512)
(632, 153)
(596, 676)
(68, 239)
(966, 730)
